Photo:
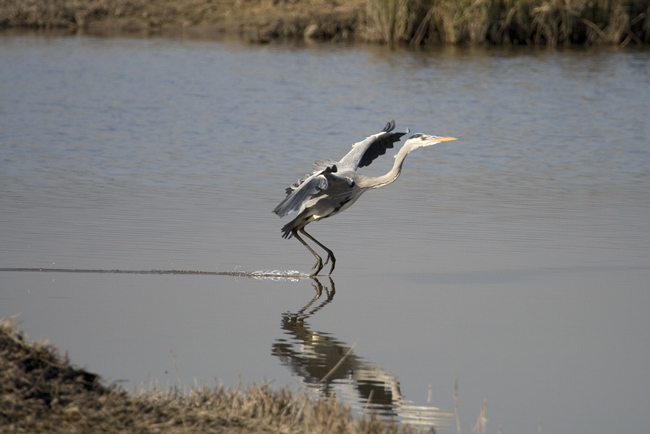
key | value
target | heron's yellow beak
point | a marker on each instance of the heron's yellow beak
(446, 139)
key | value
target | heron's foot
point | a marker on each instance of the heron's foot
(317, 266)
(331, 256)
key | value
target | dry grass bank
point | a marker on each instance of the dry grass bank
(415, 22)
(42, 392)
(264, 19)
(539, 22)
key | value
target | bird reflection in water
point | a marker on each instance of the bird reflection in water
(332, 368)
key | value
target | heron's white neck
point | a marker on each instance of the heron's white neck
(392, 175)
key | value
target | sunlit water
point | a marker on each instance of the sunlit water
(516, 259)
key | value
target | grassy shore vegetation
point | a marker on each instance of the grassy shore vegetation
(540, 22)
(40, 392)
(415, 22)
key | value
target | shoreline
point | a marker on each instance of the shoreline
(391, 22)
(40, 391)
(256, 20)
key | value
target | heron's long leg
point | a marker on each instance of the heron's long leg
(330, 254)
(319, 261)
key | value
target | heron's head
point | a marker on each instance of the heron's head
(420, 140)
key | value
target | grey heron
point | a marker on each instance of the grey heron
(334, 186)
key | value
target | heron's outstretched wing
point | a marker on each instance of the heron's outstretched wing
(319, 166)
(366, 151)
(299, 194)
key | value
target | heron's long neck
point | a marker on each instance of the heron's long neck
(392, 175)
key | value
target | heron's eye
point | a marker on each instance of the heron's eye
(421, 137)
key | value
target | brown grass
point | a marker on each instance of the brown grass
(415, 22)
(41, 391)
(539, 22)
(62, 13)
(321, 19)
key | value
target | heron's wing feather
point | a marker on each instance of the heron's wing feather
(366, 151)
(319, 166)
(323, 164)
(298, 195)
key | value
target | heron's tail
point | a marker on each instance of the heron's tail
(286, 229)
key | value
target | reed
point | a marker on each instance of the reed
(391, 21)
(512, 22)
(415, 22)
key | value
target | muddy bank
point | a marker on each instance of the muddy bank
(261, 19)
(40, 391)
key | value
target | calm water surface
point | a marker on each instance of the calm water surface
(516, 259)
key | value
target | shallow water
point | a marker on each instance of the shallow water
(516, 259)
